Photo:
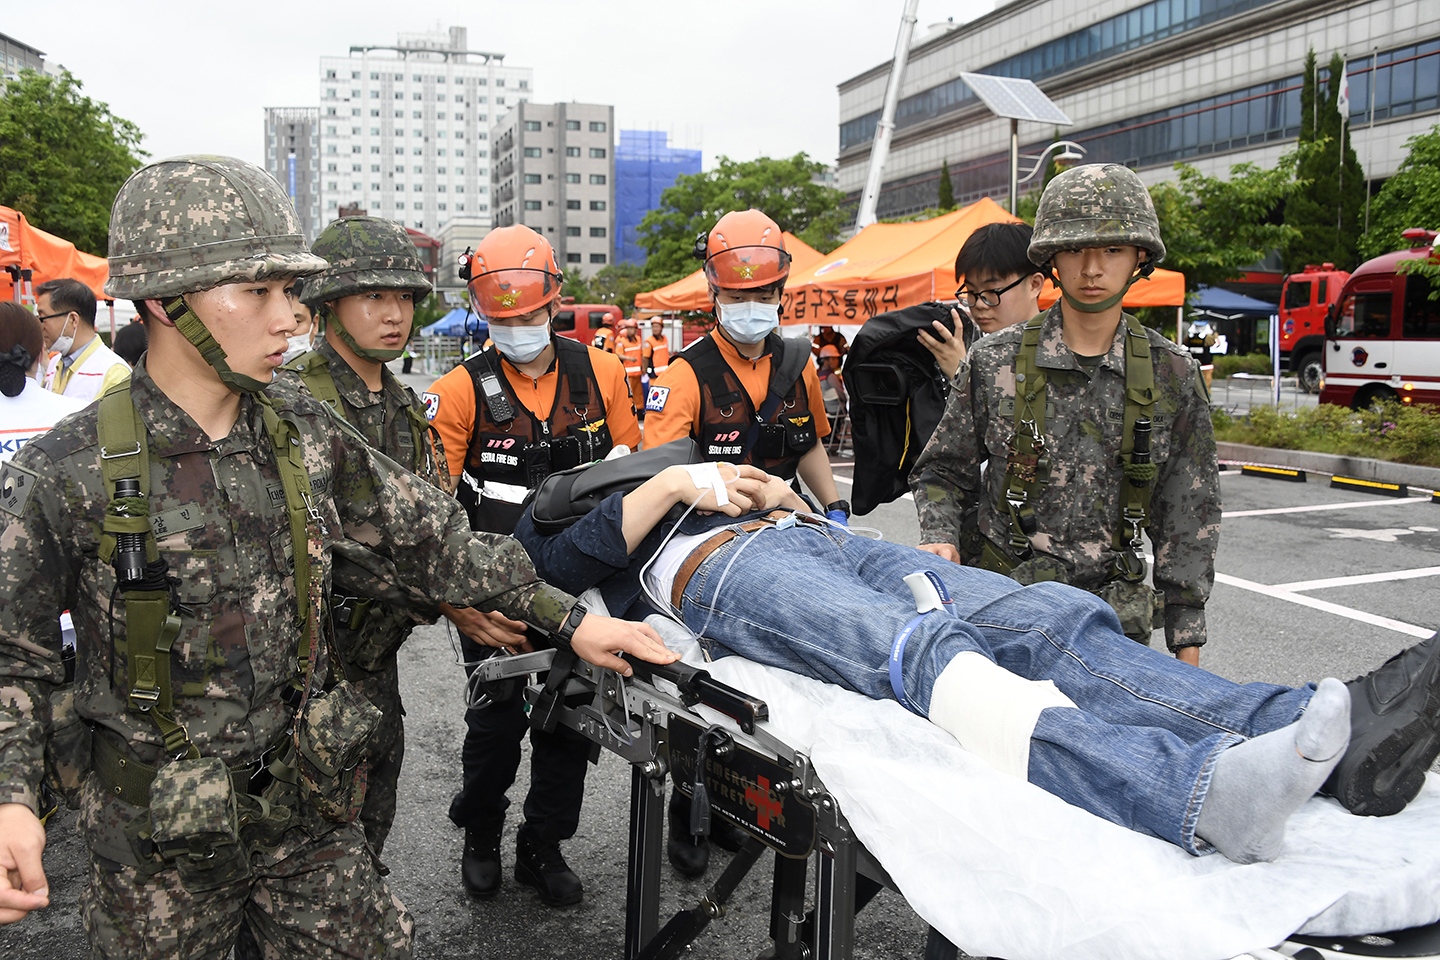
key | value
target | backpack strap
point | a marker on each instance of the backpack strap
(1027, 466)
(1140, 472)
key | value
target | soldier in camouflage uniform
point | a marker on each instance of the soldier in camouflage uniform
(366, 301)
(1052, 406)
(217, 773)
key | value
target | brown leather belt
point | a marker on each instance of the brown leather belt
(701, 553)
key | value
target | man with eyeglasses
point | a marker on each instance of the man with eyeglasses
(1090, 427)
(80, 366)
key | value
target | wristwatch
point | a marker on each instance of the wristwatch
(841, 505)
(571, 624)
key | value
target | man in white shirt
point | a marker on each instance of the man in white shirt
(81, 366)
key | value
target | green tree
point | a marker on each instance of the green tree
(1212, 227)
(947, 189)
(617, 283)
(783, 189)
(1411, 198)
(1329, 213)
(63, 157)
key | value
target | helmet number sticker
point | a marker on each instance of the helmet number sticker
(655, 399)
(432, 405)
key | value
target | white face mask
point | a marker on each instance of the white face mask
(63, 344)
(749, 322)
(520, 344)
(294, 346)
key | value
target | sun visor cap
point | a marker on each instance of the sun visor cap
(513, 292)
(744, 268)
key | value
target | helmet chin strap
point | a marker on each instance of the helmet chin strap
(1143, 273)
(365, 353)
(178, 312)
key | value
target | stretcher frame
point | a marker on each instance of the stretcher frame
(600, 705)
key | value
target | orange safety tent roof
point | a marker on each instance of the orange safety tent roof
(47, 256)
(692, 293)
(1165, 288)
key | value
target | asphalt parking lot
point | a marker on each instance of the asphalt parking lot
(1311, 581)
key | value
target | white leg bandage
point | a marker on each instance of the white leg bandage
(991, 711)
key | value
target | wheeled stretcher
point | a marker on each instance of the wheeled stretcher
(992, 863)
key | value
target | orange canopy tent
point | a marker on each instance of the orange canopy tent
(693, 294)
(890, 266)
(46, 256)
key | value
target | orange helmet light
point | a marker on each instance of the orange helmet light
(745, 250)
(512, 273)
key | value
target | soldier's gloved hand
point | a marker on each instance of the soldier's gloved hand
(598, 639)
(943, 550)
(490, 629)
(22, 880)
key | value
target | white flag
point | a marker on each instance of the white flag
(1342, 102)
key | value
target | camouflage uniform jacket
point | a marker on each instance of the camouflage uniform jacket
(1078, 511)
(219, 513)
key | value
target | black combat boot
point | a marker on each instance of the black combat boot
(542, 866)
(688, 853)
(1394, 733)
(480, 863)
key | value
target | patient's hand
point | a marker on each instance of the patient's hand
(945, 551)
(598, 639)
(491, 629)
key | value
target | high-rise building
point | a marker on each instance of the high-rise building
(292, 156)
(16, 56)
(404, 129)
(645, 167)
(555, 172)
(1148, 82)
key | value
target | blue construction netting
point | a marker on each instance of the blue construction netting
(644, 168)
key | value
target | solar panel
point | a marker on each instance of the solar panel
(1015, 99)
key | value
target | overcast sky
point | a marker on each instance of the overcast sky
(743, 78)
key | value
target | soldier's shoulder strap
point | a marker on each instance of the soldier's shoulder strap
(314, 371)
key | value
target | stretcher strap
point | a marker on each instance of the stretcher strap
(897, 662)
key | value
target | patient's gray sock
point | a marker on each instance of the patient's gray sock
(1259, 783)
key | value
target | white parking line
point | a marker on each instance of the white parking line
(1301, 585)
(1279, 593)
(1310, 508)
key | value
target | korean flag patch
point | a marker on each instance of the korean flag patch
(16, 485)
(655, 399)
(432, 405)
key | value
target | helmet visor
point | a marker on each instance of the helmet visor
(513, 292)
(742, 268)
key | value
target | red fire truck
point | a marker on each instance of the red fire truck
(1305, 301)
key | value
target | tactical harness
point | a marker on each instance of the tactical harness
(1028, 464)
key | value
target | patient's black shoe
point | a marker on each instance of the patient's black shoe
(1394, 733)
(688, 853)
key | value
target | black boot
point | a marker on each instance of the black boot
(688, 853)
(480, 863)
(1394, 733)
(542, 866)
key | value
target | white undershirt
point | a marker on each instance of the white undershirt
(660, 576)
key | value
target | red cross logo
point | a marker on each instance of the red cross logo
(765, 808)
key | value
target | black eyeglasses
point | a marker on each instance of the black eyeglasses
(991, 298)
(52, 316)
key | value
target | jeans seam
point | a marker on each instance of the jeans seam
(1201, 789)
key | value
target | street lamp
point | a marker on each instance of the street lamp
(1070, 152)
(1015, 99)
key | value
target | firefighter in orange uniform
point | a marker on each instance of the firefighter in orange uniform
(631, 351)
(527, 406)
(656, 357)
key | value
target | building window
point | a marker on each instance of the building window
(355, 94)
(374, 168)
(332, 185)
(532, 151)
(399, 188)
(500, 100)
(572, 258)
(374, 186)
(597, 126)
(460, 207)
(572, 231)
(330, 131)
(572, 204)
(572, 178)
(330, 93)
(331, 168)
(597, 179)
(572, 124)
(572, 151)
(597, 153)
(329, 74)
(399, 95)
(418, 206)
(459, 98)
(499, 81)
(532, 204)
(597, 204)
(419, 151)
(355, 149)
(375, 148)
(597, 231)
(440, 188)
(331, 148)
(399, 151)
(329, 111)
(416, 96)
(480, 81)
(374, 94)
(460, 188)
(532, 124)
(442, 206)
(597, 258)
(532, 178)
(374, 76)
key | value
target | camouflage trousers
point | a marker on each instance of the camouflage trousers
(313, 897)
(387, 750)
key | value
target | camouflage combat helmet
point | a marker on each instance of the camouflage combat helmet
(1096, 205)
(191, 223)
(365, 253)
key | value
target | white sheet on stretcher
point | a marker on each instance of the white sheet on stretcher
(1002, 867)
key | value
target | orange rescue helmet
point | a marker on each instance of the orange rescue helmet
(745, 250)
(513, 272)
(829, 351)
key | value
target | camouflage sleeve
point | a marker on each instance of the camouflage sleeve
(36, 583)
(426, 535)
(946, 477)
(1185, 517)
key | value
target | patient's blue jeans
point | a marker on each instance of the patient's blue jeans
(1139, 751)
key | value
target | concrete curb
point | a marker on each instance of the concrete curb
(1363, 468)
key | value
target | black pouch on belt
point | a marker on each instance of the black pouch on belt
(194, 823)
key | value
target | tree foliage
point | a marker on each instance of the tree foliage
(1411, 198)
(63, 157)
(1328, 214)
(947, 189)
(616, 283)
(1213, 228)
(783, 189)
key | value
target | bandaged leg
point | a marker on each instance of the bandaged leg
(1258, 784)
(991, 711)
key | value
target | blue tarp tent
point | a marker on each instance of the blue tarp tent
(1220, 303)
(453, 325)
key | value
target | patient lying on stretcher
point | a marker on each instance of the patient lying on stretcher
(1037, 680)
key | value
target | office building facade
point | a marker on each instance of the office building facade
(554, 171)
(16, 56)
(292, 156)
(1212, 83)
(405, 129)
